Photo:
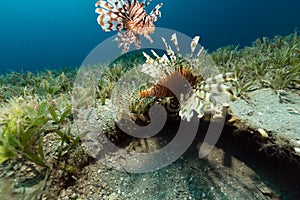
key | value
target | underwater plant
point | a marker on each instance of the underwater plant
(114, 71)
(26, 121)
(129, 19)
(272, 63)
(42, 83)
(21, 126)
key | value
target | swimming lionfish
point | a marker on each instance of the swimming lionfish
(170, 69)
(129, 19)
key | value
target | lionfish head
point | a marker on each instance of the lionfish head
(129, 18)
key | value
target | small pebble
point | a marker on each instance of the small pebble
(297, 149)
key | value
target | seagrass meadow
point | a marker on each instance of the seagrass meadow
(256, 157)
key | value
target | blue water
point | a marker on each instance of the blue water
(39, 34)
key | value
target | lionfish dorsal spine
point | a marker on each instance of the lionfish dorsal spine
(165, 60)
(165, 43)
(194, 45)
(175, 41)
(155, 54)
(169, 51)
(200, 51)
(147, 2)
(149, 60)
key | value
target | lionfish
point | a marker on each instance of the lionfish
(171, 69)
(129, 19)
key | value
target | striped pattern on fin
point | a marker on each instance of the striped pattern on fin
(146, 2)
(189, 107)
(110, 14)
(221, 78)
(155, 13)
(194, 45)
(156, 68)
(169, 50)
(175, 41)
(218, 88)
(172, 107)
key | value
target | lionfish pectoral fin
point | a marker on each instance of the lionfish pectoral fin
(220, 78)
(148, 38)
(104, 4)
(110, 5)
(107, 20)
(146, 2)
(117, 3)
(137, 41)
(111, 13)
(155, 13)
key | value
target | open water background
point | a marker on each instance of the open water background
(37, 34)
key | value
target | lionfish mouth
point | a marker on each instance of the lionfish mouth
(129, 19)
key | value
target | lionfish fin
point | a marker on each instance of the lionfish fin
(109, 14)
(194, 45)
(191, 106)
(218, 88)
(220, 78)
(155, 54)
(169, 50)
(107, 20)
(175, 41)
(200, 51)
(148, 2)
(158, 67)
(149, 60)
(155, 13)
(168, 47)
(110, 5)
(104, 4)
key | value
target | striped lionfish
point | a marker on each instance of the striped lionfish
(170, 69)
(129, 19)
